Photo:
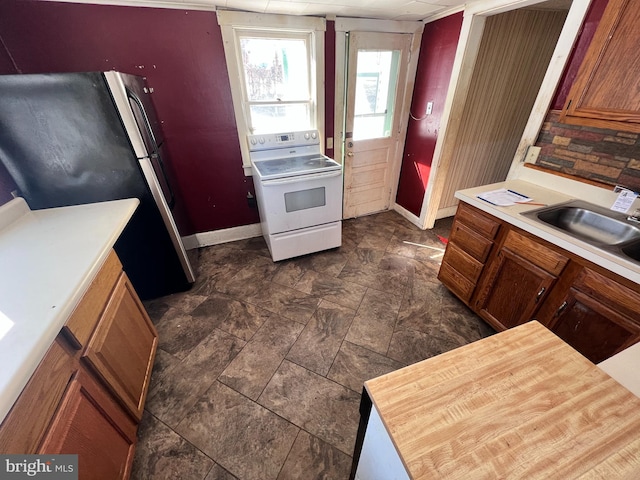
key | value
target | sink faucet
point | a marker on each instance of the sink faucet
(635, 216)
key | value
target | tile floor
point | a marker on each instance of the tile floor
(260, 365)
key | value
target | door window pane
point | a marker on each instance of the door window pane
(376, 81)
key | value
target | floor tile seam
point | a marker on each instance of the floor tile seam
(372, 351)
(344, 339)
(284, 357)
(405, 296)
(213, 330)
(324, 297)
(184, 439)
(312, 372)
(197, 398)
(255, 402)
(286, 458)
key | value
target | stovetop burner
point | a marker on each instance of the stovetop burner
(299, 165)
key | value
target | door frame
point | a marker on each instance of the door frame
(473, 24)
(342, 27)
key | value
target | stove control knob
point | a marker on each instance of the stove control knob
(314, 135)
(306, 136)
(261, 140)
(253, 141)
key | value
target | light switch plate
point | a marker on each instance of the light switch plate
(532, 154)
(329, 143)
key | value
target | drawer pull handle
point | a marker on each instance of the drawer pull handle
(540, 293)
(561, 309)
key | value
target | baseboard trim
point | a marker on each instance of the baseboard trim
(446, 212)
(408, 215)
(216, 237)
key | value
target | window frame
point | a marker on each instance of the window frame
(235, 25)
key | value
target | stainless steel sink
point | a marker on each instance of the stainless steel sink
(598, 226)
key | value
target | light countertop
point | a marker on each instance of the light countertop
(48, 258)
(511, 214)
(519, 404)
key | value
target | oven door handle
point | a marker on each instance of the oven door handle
(301, 178)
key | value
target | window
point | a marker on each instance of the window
(276, 71)
(377, 72)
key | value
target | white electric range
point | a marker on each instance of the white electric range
(299, 193)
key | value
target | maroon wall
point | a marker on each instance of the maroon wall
(437, 52)
(329, 81)
(181, 54)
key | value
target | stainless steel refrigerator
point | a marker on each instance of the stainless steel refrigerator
(75, 138)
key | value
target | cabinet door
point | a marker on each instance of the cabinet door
(512, 291)
(28, 419)
(123, 346)
(592, 328)
(605, 93)
(92, 425)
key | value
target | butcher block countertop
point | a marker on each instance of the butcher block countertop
(519, 404)
(48, 259)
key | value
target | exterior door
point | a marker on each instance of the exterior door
(376, 69)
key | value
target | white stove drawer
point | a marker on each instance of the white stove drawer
(308, 240)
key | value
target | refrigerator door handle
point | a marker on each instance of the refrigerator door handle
(154, 155)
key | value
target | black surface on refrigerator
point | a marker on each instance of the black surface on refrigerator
(64, 140)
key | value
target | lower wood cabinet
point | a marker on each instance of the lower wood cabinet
(92, 425)
(524, 278)
(592, 307)
(87, 395)
(517, 281)
(122, 348)
(470, 243)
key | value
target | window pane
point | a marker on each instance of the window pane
(280, 118)
(376, 80)
(275, 69)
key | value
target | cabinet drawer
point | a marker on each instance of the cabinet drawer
(538, 254)
(610, 292)
(465, 264)
(461, 286)
(484, 225)
(469, 241)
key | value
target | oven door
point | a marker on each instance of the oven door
(299, 202)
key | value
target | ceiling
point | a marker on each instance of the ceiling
(382, 9)
(387, 9)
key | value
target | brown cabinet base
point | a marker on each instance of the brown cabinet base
(523, 278)
(87, 395)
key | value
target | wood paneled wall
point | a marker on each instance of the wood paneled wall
(513, 57)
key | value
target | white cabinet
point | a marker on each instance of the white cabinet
(379, 459)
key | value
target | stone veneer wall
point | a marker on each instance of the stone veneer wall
(606, 156)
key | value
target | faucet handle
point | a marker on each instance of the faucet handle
(635, 216)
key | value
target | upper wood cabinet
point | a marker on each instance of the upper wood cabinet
(606, 92)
